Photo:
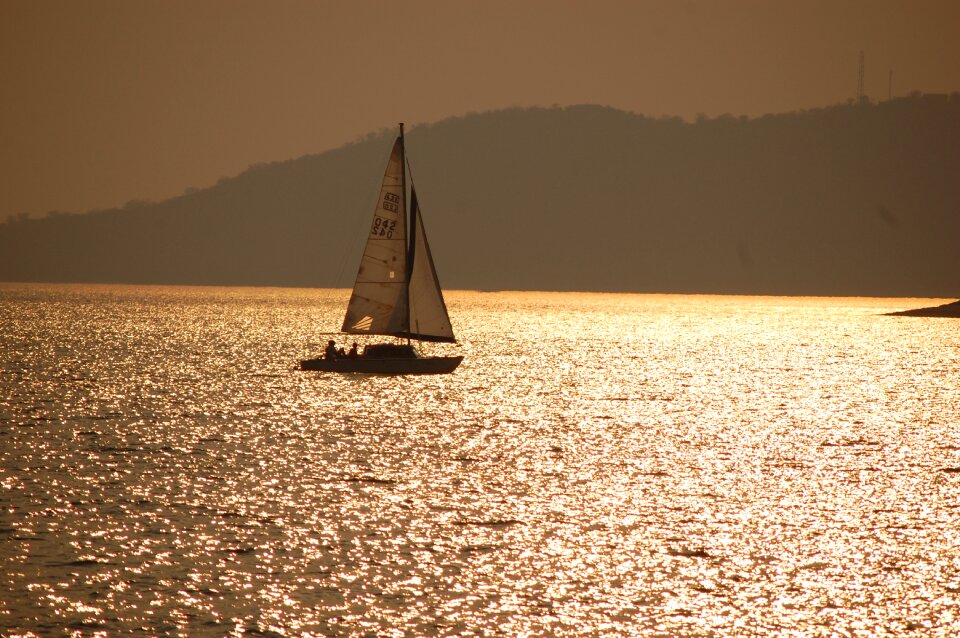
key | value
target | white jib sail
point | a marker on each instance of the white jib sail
(378, 304)
(428, 312)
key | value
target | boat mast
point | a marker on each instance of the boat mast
(408, 220)
(403, 187)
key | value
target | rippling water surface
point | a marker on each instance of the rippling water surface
(599, 465)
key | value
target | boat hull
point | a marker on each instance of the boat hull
(384, 365)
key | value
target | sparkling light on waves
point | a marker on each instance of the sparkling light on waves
(599, 465)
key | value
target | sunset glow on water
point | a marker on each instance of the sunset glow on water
(598, 465)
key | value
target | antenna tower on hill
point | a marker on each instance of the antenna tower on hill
(860, 96)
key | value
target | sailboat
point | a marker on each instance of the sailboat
(397, 292)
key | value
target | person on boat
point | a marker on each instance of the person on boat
(353, 351)
(331, 350)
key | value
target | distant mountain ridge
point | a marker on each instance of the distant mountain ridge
(855, 199)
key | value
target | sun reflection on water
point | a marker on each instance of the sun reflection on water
(599, 465)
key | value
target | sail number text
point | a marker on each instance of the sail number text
(383, 227)
(391, 202)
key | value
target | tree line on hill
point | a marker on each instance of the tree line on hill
(853, 199)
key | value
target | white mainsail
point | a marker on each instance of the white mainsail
(378, 304)
(397, 291)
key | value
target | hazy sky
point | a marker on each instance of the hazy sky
(106, 101)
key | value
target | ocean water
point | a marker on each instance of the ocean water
(599, 465)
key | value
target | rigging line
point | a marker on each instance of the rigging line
(410, 175)
(409, 170)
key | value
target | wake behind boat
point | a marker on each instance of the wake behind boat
(397, 292)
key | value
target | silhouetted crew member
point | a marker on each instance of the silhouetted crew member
(353, 351)
(331, 351)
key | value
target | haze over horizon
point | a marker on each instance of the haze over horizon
(108, 101)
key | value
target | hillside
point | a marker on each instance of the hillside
(858, 199)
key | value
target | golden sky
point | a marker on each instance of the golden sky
(104, 101)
